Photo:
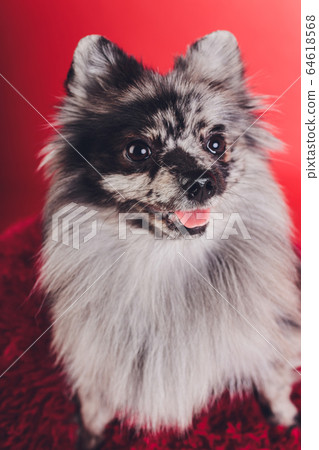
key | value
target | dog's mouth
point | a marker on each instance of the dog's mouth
(194, 222)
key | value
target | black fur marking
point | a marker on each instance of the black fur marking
(170, 131)
(180, 120)
(140, 359)
(69, 78)
(217, 85)
(245, 103)
(195, 45)
(288, 322)
(154, 170)
(199, 126)
(220, 128)
(252, 144)
(263, 404)
(180, 63)
(224, 167)
(298, 269)
(165, 99)
(86, 188)
(179, 161)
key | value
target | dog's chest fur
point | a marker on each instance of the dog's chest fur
(154, 332)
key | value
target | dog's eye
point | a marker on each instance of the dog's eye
(138, 151)
(216, 144)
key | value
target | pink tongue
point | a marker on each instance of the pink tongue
(192, 219)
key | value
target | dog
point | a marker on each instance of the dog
(154, 326)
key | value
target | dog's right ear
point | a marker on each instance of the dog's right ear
(215, 57)
(99, 65)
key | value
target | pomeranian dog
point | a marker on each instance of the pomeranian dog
(153, 326)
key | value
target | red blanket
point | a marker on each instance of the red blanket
(36, 410)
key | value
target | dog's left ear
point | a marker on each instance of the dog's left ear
(100, 66)
(215, 57)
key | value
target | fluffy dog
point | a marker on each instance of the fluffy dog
(153, 327)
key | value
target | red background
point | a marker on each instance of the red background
(38, 39)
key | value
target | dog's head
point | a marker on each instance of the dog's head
(140, 141)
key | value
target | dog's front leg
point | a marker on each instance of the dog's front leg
(94, 416)
(275, 391)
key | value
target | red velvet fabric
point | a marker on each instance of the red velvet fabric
(36, 410)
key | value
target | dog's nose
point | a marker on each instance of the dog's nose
(201, 188)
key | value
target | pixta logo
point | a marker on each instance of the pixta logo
(68, 221)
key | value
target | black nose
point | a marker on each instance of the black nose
(201, 188)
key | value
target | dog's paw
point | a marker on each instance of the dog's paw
(88, 441)
(281, 412)
(288, 416)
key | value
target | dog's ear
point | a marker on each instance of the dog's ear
(215, 58)
(97, 65)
